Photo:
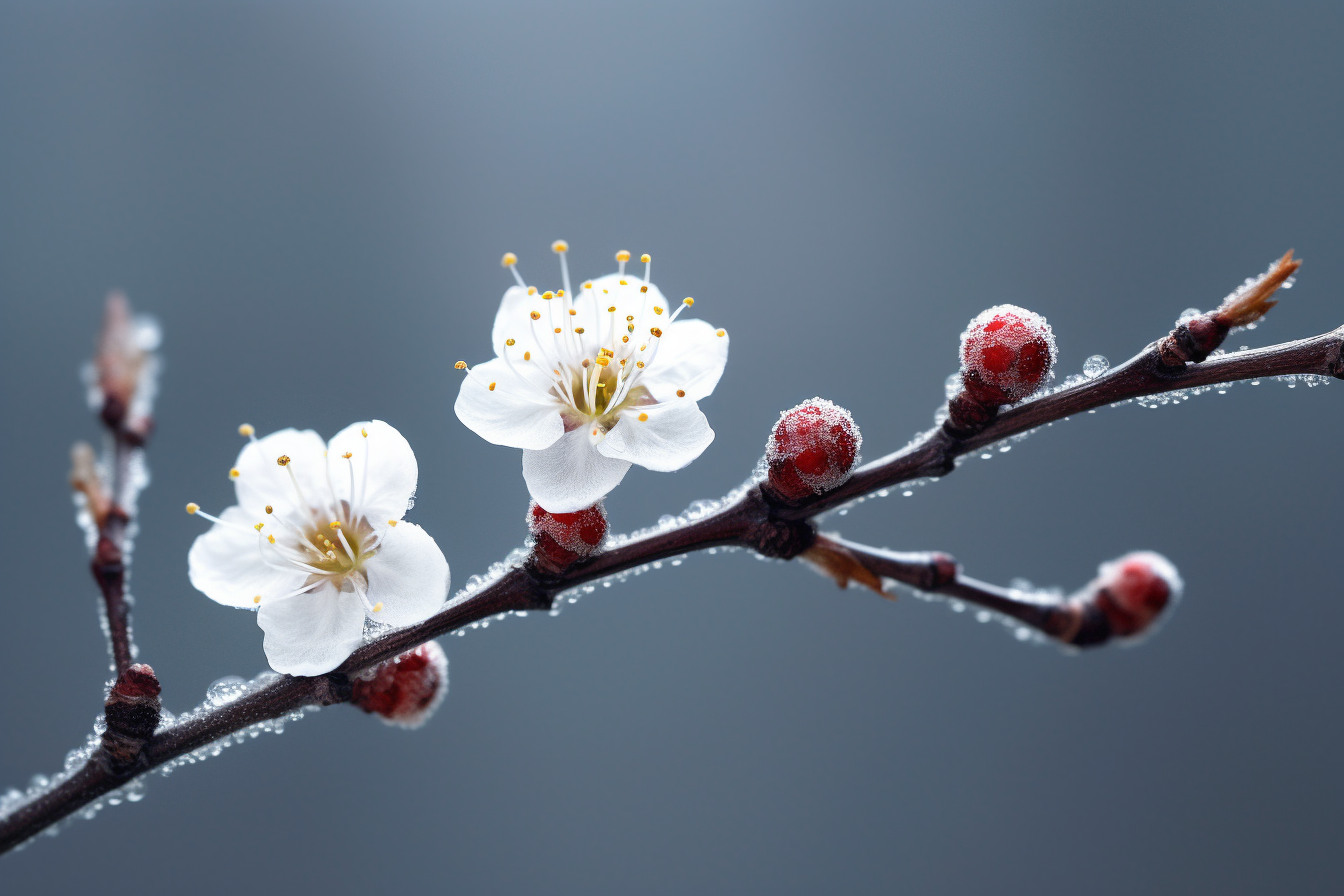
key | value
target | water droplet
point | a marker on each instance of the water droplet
(1095, 366)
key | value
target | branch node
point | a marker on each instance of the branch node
(132, 713)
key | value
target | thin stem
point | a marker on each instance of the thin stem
(749, 521)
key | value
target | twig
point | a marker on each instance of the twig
(749, 521)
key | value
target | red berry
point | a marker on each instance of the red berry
(562, 539)
(811, 450)
(1007, 353)
(1134, 590)
(404, 691)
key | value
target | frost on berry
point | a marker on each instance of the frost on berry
(562, 539)
(1134, 590)
(812, 450)
(404, 691)
(1007, 353)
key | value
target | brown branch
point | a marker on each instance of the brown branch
(747, 521)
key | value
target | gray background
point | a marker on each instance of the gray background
(313, 199)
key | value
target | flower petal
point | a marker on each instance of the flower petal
(674, 434)
(408, 575)
(225, 563)
(571, 474)
(384, 469)
(311, 633)
(513, 320)
(515, 413)
(262, 481)
(691, 358)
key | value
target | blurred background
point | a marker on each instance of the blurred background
(313, 199)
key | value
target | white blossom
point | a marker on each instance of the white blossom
(316, 543)
(588, 384)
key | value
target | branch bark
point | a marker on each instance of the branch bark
(749, 521)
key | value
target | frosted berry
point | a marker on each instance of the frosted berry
(811, 450)
(562, 539)
(404, 691)
(1007, 353)
(1134, 590)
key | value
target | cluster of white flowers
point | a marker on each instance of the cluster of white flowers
(585, 384)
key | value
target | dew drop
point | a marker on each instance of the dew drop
(1095, 366)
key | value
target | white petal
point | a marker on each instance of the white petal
(674, 434)
(408, 575)
(225, 563)
(392, 471)
(312, 633)
(514, 321)
(262, 481)
(515, 413)
(571, 474)
(691, 358)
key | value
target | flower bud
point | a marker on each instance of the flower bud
(132, 714)
(811, 450)
(404, 691)
(563, 539)
(1007, 353)
(1134, 590)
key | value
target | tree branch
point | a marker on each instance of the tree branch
(745, 520)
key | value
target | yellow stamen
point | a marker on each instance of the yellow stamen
(655, 331)
(625, 338)
(579, 330)
(602, 362)
(720, 332)
(364, 432)
(612, 309)
(258, 526)
(378, 607)
(645, 258)
(257, 599)
(557, 329)
(681, 393)
(509, 342)
(193, 507)
(643, 417)
(392, 523)
(639, 364)
(527, 356)
(531, 290)
(270, 509)
(246, 430)
(559, 293)
(688, 301)
(623, 255)
(460, 365)
(234, 473)
(657, 310)
(548, 295)
(623, 283)
(271, 539)
(335, 524)
(492, 387)
(282, 460)
(643, 289)
(347, 455)
(536, 315)
(572, 312)
(509, 260)
(559, 246)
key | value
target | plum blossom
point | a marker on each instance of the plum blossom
(587, 384)
(317, 544)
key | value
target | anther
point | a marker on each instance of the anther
(509, 342)
(720, 332)
(646, 258)
(257, 599)
(246, 430)
(548, 295)
(282, 460)
(656, 332)
(347, 455)
(643, 417)
(558, 330)
(460, 365)
(258, 526)
(586, 363)
(681, 393)
(270, 509)
(643, 289)
(271, 539)
(193, 507)
(527, 356)
(572, 312)
(559, 246)
(335, 524)
(536, 315)
(612, 309)
(559, 293)
(235, 473)
(625, 338)
(364, 432)
(623, 255)
(531, 290)
(623, 283)
(639, 364)
(378, 607)
(509, 260)
(629, 317)
(578, 330)
(688, 301)
(492, 387)
(657, 310)
(392, 523)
